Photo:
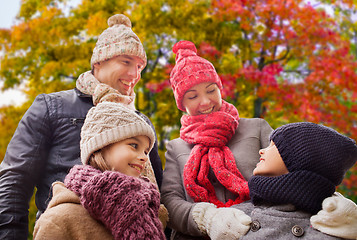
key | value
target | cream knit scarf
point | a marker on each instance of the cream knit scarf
(88, 84)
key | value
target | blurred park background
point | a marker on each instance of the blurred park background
(281, 60)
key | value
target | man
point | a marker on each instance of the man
(45, 144)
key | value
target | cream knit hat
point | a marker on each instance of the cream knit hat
(108, 123)
(117, 39)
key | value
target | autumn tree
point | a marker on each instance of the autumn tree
(283, 60)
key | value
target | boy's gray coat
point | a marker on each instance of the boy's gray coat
(279, 222)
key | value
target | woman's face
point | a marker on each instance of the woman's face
(203, 98)
(270, 164)
(128, 156)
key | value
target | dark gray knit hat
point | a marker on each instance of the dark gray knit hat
(316, 148)
(317, 158)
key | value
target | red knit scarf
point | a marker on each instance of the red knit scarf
(210, 133)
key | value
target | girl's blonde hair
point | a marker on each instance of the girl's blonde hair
(97, 161)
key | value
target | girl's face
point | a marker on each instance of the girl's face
(128, 156)
(271, 164)
(121, 72)
(203, 98)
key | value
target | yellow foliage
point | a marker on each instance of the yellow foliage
(49, 49)
(97, 23)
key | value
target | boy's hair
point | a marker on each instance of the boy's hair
(108, 123)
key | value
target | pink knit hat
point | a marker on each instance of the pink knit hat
(190, 70)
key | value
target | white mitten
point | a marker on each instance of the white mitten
(338, 217)
(220, 223)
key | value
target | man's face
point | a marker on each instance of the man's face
(121, 72)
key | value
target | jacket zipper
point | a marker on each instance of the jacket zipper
(75, 121)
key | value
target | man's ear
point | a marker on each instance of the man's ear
(96, 67)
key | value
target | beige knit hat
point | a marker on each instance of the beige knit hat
(108, 123)
(117, 39)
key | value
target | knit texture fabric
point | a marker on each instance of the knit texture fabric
(210, 133)
(338, 217)
(315, 148)
(126, 205)
(100, 92)
(190, 70)
(304, 189)
(117, 39)
(109, 123)
(317, 158)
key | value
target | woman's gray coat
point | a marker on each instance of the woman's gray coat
(252, 134)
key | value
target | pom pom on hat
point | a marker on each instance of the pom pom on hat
(189, 71)
(185, 45)
(118, 39)
(111, 122)
(118, 19)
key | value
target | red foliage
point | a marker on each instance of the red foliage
(208, 52)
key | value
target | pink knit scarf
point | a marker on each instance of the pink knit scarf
(127, 206)
(210, 133)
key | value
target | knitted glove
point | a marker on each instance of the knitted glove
(220, 223)
(127, 206)
(163, 216)
(338, 217)
(78, 176)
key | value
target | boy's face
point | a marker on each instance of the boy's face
(271, 164)
(202, 98)
(128, 156)
(121, 73)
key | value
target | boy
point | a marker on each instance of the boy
(302, 166)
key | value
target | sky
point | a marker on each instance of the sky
(8, 12)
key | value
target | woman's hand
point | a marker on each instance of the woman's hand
(221, 223)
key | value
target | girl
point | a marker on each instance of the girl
(302, 166)
(107, 197)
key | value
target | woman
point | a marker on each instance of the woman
(208, 167)
(215, 155)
